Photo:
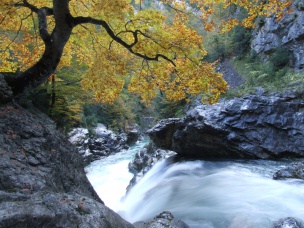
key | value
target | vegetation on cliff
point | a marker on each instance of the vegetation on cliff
(154, 49)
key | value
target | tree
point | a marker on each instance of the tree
(116, 40)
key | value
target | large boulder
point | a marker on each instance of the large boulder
(42, 178)
(255, 126)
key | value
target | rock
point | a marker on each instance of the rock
(295, 170)
(144, 160)
(250, 127)
(42, 178)
(132, 136)
(288, 223)
(230, 75)
(163, 131)
(103, 143)
(6, 93)
(163, 220)
(288, 33)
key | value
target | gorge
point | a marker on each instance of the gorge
(43, 181)
(223, 191)
(239, 163)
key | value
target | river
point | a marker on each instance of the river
(204, 194)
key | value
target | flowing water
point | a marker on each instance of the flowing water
(110, 176)
(204, 194)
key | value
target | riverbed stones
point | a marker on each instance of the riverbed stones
(163, 220)
(288, 222)
(254, 126)
(101, 143)
(295, 171)
(144, 160)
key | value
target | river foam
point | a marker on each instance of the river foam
(215, 194)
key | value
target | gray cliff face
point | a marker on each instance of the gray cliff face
(250, 127)
(42, 180)
(289, 32)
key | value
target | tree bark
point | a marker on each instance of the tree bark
(54, 45)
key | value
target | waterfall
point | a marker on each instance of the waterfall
(204, 194)
(110, 175)
(217, 194)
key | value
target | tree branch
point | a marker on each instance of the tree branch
(42, 14)
(25, 3)
(44, 34)
(83, 20)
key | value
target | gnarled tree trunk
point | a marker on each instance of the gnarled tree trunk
(54, 45)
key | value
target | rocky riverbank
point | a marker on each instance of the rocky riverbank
(255, 126)
(102, 142)
(42, 178)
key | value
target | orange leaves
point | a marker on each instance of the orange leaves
(176, 40)
(254, 8)
(105, 77)
(179, 70)
(186, 79)
(228, 25)
(105, 9)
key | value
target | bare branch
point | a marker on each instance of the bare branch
(25, 3)
(104, 24)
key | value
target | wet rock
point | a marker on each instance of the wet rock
(255, 126)
(163, 220)
(132, 136)
(102, 143)
(163, 131)
(288, 223)
(144, 161)
(295, 170)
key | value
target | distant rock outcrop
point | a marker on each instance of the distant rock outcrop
(289, 32)
(255, 126)
(102, 143)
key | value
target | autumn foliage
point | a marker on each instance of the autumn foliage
(119, 39)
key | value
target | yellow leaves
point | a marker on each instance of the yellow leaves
(105, 9)
(105, 77)
(209, 27)
(186, 79)
(228, 25)
(109, 62)
(176, 41)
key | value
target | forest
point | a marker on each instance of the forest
(84, 62)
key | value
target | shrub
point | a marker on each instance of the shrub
(280, 58)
